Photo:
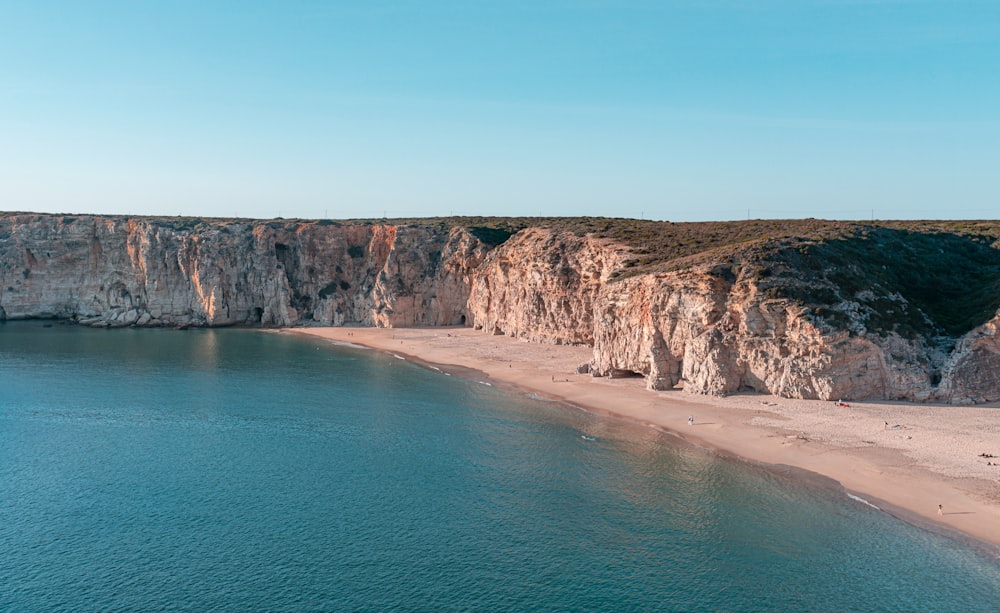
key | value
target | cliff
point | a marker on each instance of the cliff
(118, 272)
(801, 309)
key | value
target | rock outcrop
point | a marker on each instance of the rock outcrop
(972, 373)
(542, 286)
(118, 272)
(797, 318)
(717, 336)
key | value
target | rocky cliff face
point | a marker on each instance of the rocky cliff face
(971, 374)
(117, 272)
(822, 320)
(798, 327)
(715, 335)
(542, 286)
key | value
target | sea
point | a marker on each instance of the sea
(236, 470)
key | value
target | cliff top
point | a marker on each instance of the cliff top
(656, 245)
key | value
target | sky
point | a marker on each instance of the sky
(681, 110)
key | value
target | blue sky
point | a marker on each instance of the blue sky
(677, 109)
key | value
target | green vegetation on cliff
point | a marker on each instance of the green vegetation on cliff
(911, 280)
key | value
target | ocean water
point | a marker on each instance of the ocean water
(231, 470)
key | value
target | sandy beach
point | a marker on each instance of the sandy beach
(904, 458)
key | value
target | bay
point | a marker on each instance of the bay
(235, 470)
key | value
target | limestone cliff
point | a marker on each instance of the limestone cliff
(719, 336)
(542, 286)
(117, 272)
(821, 310)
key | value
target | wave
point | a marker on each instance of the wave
(862, 501)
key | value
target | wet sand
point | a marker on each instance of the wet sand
(904, 458)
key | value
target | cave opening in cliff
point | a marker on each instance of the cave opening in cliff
(461, 320)
(621, 373)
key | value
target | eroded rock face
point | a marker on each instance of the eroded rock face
(711, 335)
(542, 286)
(707, 330)
(972, 372)
(645, 324)
(714, 328)
(114, 272)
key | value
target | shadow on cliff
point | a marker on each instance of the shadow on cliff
(911, 283)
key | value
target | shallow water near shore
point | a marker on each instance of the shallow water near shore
(234, 470)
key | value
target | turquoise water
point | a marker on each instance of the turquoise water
(235, 470)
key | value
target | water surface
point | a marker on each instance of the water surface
(234, 470)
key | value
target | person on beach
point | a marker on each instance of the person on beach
(940, 510)
(691, 420)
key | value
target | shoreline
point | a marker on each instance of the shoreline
(904, 459)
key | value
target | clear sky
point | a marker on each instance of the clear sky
(672, 109)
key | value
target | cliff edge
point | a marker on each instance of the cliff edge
(803, 308)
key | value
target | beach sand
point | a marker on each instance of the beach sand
(927, 455)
